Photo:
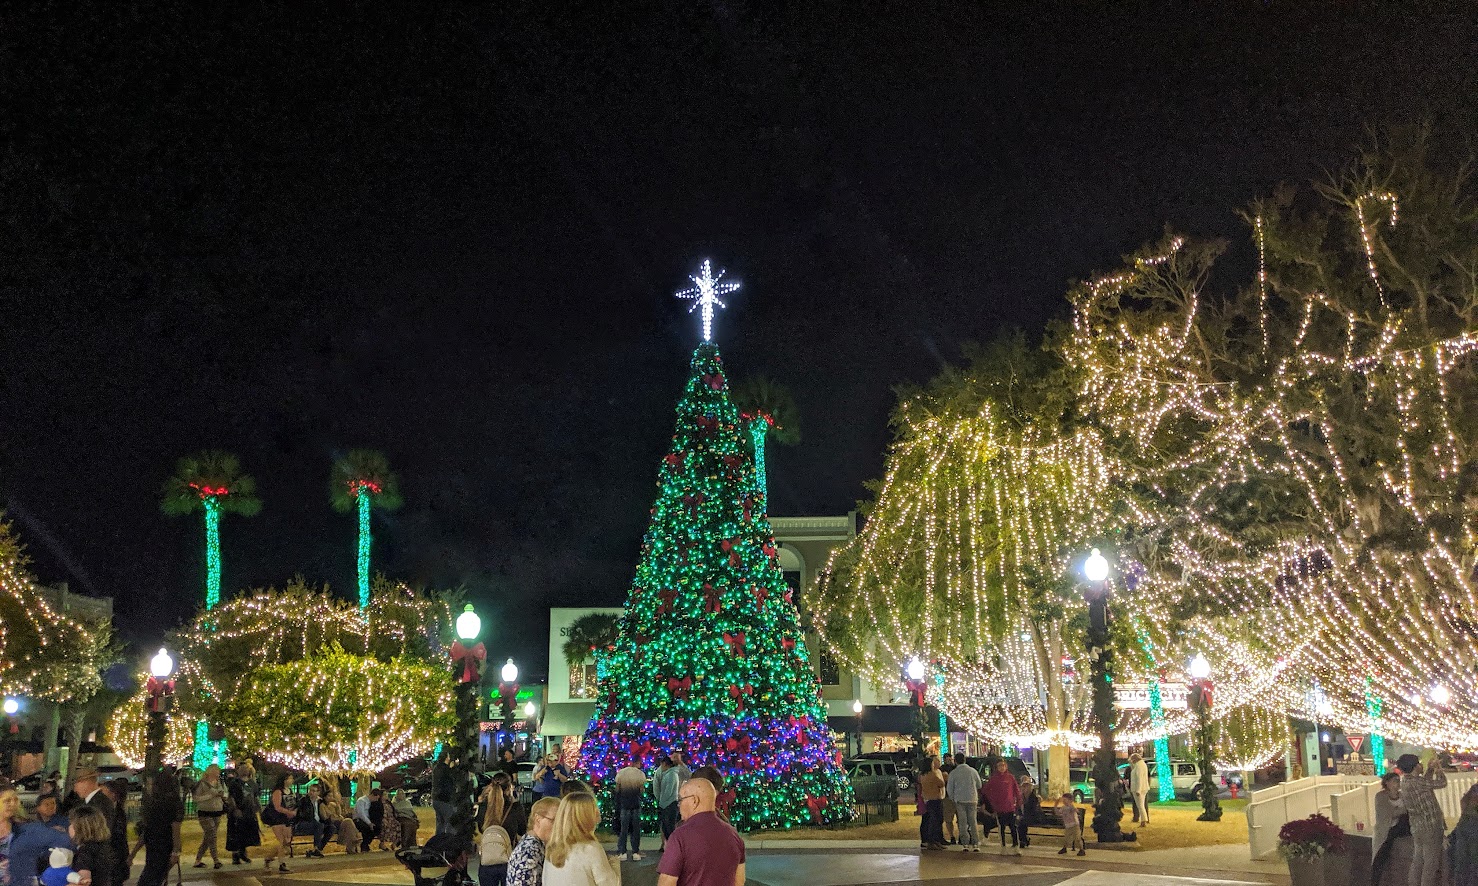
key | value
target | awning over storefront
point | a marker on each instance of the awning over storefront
(877, 718)
(567, 718)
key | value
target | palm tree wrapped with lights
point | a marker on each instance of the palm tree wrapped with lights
(770, 410)
(212, 483)
(362, 482)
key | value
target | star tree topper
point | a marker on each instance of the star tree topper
(705, 293)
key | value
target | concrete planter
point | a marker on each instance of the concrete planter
(1329, 869)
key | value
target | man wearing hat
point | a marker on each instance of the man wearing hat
(1428, 827)
(85, 789)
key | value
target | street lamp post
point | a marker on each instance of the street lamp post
(914, 674)
(12, 726)
(857, 709)
(467, 662)
(160, 687)
(1107, 803)
(508, 691)
(1201, 705)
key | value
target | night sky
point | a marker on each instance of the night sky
(452, 232)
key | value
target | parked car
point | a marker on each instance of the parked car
(901, 761)
(525, 779)
(29, 788)
(1080, 783)
(877, 778)
(1014, 765)
(1186, 778)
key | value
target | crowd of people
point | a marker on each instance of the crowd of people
(956, 807)
(226, 806)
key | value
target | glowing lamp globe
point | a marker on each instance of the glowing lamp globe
(468, 624)
(529, 709)
(915, 669)
(857, 706)
(509, 672)
(1440, 694)
(161, 665)
(1200, 667)
(1095, 568)
(11, 706)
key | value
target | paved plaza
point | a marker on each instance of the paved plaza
(844, 867)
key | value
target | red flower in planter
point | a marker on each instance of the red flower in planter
(1308, 837)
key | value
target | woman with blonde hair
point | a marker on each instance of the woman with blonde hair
(575, 857)
(497, 845)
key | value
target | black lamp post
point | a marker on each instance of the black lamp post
(161, 692)
(467, 669)
(857, 709)
(1107, 803)
(1201, 707)
(12, 726)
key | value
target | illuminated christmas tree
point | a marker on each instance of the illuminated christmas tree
(711, 658)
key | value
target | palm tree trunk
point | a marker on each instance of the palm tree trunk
(362, 500)
(759, 430)
(212, 551)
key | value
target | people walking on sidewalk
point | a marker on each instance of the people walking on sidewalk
(210, 807)
(242, 831)
(1072, 829)
(1462, 844)
(1004, 796)
(931, 796)
(280, 815)
(947, 806)
(963, 787)
(159, 830)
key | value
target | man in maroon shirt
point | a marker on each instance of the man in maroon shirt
(704, 850)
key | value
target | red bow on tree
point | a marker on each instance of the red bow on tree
(788, 643)
(733, 462)
(640, 750)
(725, 801)
(666, 597)
(693, 501)
(790, 595)
(761, 594)
(769, 549)
(730, 546)
(673, 459)
(816, 804)
(710, 598)
(707, 423)
(679, 688)
(158, 689)
(735, 641)
(738, 745)
(738, 693)
(714, 381)
(470, 659)
(747, 503)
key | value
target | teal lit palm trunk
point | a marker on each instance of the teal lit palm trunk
(212, 508)
(362, 502)
(1377, 741)
(207, 751)
(759, 429)
(1162, 744)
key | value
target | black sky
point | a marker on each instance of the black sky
(452, 232)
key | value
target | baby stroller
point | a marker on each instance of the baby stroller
(441, 862)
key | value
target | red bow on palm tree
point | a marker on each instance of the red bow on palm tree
(470, 659)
